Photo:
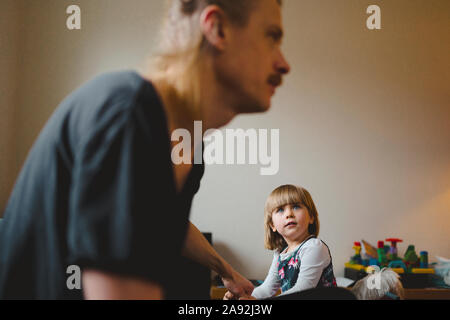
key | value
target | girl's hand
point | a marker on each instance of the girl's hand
(230, 296)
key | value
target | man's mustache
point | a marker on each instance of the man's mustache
(275, 80)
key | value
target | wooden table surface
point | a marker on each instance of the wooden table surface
(410, 294)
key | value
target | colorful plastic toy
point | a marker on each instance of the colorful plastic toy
(392, 255)
(411, 259)
(382, 259)
(371, 251)
(387, 256)
(373, 262)
(397, 264)
(423, 259)
(422, 271)
(356, 259)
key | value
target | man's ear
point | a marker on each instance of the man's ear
(212, 23)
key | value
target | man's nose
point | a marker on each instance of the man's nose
(282, 65)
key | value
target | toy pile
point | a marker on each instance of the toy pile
(410, 271)
(387, 256)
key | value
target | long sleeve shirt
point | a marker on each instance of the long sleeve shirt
(313, 258)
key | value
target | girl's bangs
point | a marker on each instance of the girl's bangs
(283, 196)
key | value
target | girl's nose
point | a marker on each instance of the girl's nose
(288, 212)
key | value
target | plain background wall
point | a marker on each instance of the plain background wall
(364, 116)
(10, 35)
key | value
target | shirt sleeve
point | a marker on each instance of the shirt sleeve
(271, 284)
(117, 209)
(314, 258)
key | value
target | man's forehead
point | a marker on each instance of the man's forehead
(269, 9)
(268, 14)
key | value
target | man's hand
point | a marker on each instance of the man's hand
(229, 296)
(198, 249)
(238, 286)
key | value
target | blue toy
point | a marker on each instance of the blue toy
(397, 264)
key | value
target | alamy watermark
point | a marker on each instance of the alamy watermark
(232, 147)
(73, 281)
(73, 21)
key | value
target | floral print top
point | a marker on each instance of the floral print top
(289, 269)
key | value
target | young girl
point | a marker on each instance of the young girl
(301, 261)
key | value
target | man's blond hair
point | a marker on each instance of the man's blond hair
(182, 41)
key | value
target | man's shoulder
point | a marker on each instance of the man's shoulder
(125, 79)
(110, 86)
(104, 102)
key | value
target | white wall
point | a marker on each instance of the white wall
(55, 60)
(9, 63)
(365, 127)
(364, 117)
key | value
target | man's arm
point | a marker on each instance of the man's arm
(197, 248)
(99, 285)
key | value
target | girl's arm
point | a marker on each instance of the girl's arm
(314, 258)
(272, 283)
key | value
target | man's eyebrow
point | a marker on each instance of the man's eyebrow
(275, 31)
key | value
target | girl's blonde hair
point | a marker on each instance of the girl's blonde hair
(285, 195)
(182, 44)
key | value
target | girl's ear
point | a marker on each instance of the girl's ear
(311, 225)
(272, 228)
(312, 218)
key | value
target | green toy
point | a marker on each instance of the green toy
(411, 259)
(382, 259)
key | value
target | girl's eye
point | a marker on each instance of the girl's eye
(279, 210)
(296, 207)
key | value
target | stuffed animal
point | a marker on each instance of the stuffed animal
(379, 285)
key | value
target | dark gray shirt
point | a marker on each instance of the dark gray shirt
(97, 190)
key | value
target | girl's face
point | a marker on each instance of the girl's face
(291, 222)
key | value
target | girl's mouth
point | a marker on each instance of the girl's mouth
(291, 224)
